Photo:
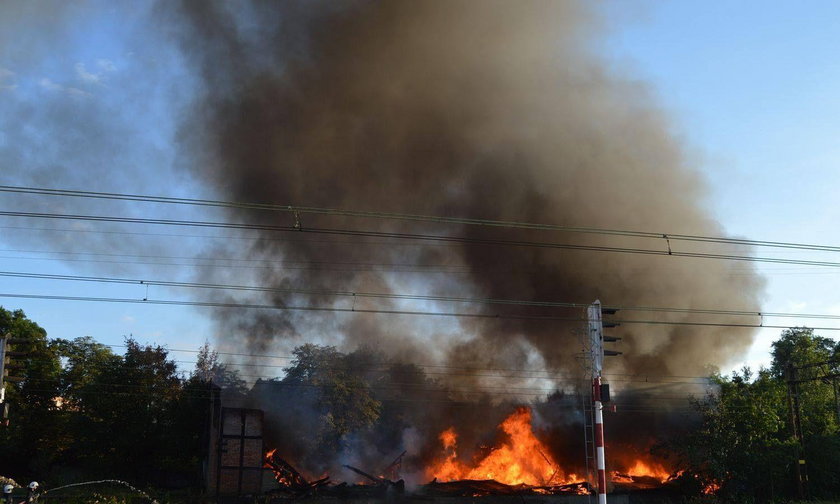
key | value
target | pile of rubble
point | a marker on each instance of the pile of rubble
(294, 485)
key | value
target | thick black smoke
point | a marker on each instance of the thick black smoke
(332, 409)
(497, 110)
(491, 110)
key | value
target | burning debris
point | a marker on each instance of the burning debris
(393, 470)
(532, 449)
(385, 484)
(294, 484)
(518, 464)
(642, 475)
(520, 459)
(289, 478)
(484, 488)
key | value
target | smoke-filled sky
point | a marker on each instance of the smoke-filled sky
(683, 118)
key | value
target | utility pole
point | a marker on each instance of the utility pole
(3, 368)
(793, 380)
(600, 392)
(4, 375)
(796, 428)
(836, 399)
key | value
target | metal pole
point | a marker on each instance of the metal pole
(596, 330)
(3, 367)
(599, 441)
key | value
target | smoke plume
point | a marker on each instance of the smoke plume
(492, 110)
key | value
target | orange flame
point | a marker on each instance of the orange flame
(277, 475)
(641, 468)
(711, 488)
(521, 459)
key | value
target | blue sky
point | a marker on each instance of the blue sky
(750, 87)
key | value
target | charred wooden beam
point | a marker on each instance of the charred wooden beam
(480, 488)
(286, 474)
(375, 479)
(394, 468)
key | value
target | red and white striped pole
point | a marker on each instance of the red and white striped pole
(599, 441)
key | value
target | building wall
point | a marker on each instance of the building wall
(236, 453)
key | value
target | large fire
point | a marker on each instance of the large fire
(520, 459)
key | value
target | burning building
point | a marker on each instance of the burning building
(454, 160)
(310, 441)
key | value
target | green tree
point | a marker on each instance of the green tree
(209, 368)
(127, 408)
(799, 346)
(325, 393)
(84, 411)
(343, 397)
(744, 440)
(33, 441)
(147, 387)
(810, 361)
(84, 361)
(800, 351)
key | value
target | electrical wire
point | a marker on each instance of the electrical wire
(309, 241)
(701, 381)
(447, 402)
(411, 217)
(422, 237)
(387, 365)
(352, 310)
(401, 387)
(213, 260)
(386, 295)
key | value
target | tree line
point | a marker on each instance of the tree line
(83, 411)
(745, 441)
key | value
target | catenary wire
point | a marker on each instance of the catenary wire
(421, 237)
(410, 217)
(354, 310)
(382, 295)
(392, 386)
(228, 237)
(432, 366)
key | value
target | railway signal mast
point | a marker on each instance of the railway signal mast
(600, 392)
(6, 364)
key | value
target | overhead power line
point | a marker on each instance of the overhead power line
(387, 368)
(291, 209)
(231, 262)
(212, 304)
(425, 237)
(460, 402)
(416, 297)
(402, 388)
(531, 372)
